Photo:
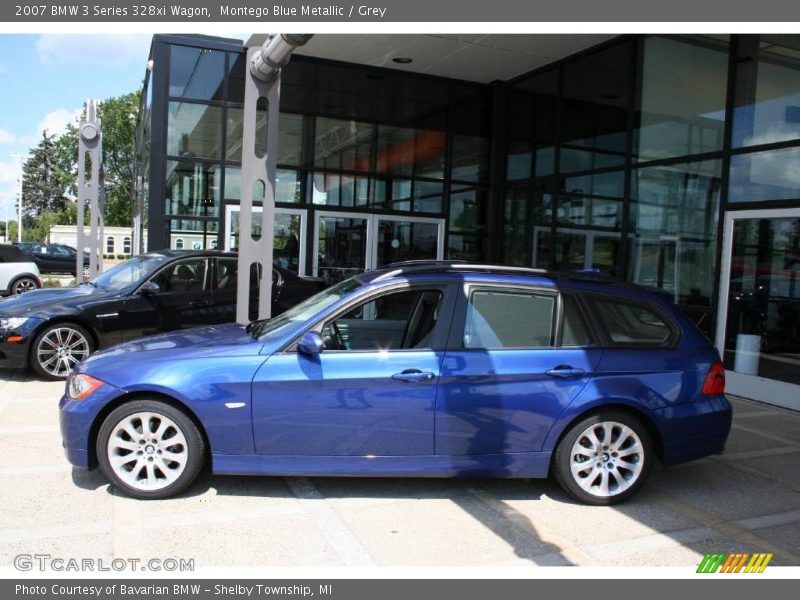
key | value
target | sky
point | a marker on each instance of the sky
(47, 78)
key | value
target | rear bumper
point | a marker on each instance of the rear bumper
(695, 430)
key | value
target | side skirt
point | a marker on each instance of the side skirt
(523, 464)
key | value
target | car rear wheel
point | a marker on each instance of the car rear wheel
(24, 284)
(149, 449)
(605, 458)
(58, 348)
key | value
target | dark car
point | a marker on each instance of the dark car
(415, 370)
(54, 258)
(53, 329)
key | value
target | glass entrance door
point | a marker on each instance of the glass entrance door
(758, 331)
(340, 245)
(346, 244)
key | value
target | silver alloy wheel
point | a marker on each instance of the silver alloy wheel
(147, 451)
(60, 349)
(24, 285)
(607, 459)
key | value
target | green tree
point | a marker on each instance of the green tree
(50, 175)
(44, 181)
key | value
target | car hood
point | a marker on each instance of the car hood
(203, 342)
(48, 301)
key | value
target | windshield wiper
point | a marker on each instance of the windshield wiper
(253, 325)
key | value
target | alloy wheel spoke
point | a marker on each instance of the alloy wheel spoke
(619, 454)
(163, 461)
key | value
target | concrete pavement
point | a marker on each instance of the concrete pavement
(745, 500)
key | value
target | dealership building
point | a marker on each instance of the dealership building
(668, 161)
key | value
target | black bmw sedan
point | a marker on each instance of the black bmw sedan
(53, 329)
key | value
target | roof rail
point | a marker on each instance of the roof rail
(434, 266)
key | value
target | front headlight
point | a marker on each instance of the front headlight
(12, 322)
(81, 386)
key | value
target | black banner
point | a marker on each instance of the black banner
(288, 11)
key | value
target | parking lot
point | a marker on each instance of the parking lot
(745, 500)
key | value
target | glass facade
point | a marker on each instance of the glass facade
(624, 158)
(621, 159)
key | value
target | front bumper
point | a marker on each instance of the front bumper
(77, 418)
(696, 429)
(14, 355)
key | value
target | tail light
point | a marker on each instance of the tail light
(715, 380)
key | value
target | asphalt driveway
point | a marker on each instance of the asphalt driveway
(745, 500)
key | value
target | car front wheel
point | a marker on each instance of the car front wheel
(605, 458)
(149, 449)
(58, 348)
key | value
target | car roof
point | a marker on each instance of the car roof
(477, 272)
(13, 251)
(189, 253)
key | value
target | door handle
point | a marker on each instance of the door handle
(565, 372)
(413, 376)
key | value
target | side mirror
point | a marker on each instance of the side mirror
(150, 287)
(310, 343)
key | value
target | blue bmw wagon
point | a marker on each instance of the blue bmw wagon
(420, 369)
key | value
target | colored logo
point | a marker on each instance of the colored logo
(744, 562)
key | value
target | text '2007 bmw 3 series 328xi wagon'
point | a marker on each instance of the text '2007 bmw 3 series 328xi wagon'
(419, 369)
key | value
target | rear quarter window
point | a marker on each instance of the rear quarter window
(630, 323)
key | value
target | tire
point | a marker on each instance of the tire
(122, 435)
(24, 284)
(614, 472)
(58, 348)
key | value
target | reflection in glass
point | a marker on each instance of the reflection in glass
(187, 234)
(409, 152)
(532, 114)
(470, 158)
(342, 248)
(406, 240)
(683, 89)
(767, 90)
(428, 196)
(290, 136)
(192, 189)
(527, 211)
(465, 247)
(196, 73)
(673, 220)
(333, 189)
(343, 145)
(194, 130)
(762, 336)
(286, 244)
(467, 210)
(596, 95)
(770, 175)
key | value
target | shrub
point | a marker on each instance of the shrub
(121, 256)
(51, 282)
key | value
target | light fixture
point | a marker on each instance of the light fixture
(402, 60)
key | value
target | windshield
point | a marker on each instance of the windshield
(306, 309)
(131, 271)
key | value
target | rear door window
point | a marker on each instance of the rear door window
(631, 323)
(508, 318)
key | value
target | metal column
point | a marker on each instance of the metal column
(90, 146)
(262, 85)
